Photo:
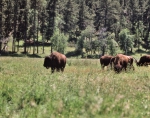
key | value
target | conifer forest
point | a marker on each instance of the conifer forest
(102, 26)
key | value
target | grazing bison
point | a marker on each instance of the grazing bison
(121, 62)
(105, 60)
(56, 61)
(144, 61)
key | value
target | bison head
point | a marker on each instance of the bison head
(47, 62)
(138, 64)
(117, 68)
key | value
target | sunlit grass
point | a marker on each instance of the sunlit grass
(84, 90)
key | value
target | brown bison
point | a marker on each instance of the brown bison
(121, 62)
(56, 61)
(144, 61)
(105, 60)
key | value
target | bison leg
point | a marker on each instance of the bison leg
(125, 68)
(131, 65)
(145, 64)
(52, 70)
(102, 66)
(58, 69)
(62, 69)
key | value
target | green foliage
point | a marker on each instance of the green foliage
(80, 44)
(50, 18)
(139, 34)
(126, 40)
(112, 44)
(85, 17)
(87, 46)
(102, 37)
(59, 41)
(85, 40)
(88, 32)
(107, 13)
(69, 16)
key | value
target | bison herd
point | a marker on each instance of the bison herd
(57, 61)
(121, 61)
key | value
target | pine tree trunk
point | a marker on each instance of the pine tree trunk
(103, 51)
(34, 26)
(15, 22)
(25, 31)
(18, 46)
(51, 47)
(43, 31)
(138, 36)
(43, 42)
(1, 25)
(37, 37)
(147, 33)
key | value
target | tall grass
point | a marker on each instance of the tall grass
(84, 90)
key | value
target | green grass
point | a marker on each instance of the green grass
(84, 90)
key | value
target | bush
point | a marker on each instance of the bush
(59, 41)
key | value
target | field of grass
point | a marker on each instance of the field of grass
(84, 90)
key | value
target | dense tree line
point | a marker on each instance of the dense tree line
(95, 25)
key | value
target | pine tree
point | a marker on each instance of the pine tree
(139, 8)
(8, 24)
(23, 20)
(107, 13)
(42, 19)
(81, 22)
(85, 16)
(51, 18)
(146, 22)
(15, 24)
(70, 19)
(35, 23)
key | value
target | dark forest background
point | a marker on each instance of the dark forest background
(90, 26)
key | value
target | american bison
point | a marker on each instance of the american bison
(121, 62)
(105, 60)
(56, 61)
(144, 61)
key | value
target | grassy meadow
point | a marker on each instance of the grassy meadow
(84, 90)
